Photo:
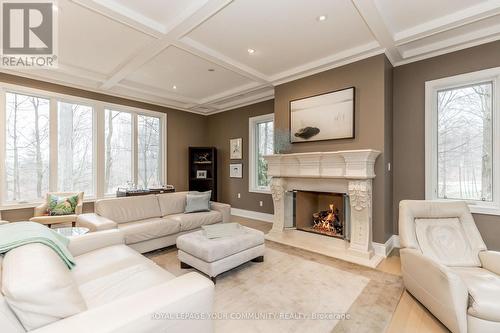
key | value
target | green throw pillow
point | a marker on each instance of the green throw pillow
(62, 205)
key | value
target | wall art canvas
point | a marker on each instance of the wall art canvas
(236, 149)
(236, 170)
(328, 116)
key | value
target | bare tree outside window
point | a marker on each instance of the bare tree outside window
(75, 148)
(27, 147)
(465, 142)
(265, 146)
(118, 149)
(149, 151)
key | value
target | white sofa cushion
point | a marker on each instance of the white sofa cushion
(8, 320)
(484, 292)
(172, 203)
(39, 287)
(444, 240)
(210, 250)
(144, 230)
(117, 271)
(123, 210)
(195, 220)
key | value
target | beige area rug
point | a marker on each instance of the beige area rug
(299, 285)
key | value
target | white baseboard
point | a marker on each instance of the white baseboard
(385, 249)
(253, 215)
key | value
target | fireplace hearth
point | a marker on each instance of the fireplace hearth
(320, 212)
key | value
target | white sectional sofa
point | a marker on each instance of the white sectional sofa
(112, 289)
(153, 221)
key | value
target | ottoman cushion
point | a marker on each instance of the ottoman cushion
(210, 250)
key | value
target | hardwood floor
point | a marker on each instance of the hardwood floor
(409, 317)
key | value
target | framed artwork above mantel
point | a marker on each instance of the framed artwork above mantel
(328, 116)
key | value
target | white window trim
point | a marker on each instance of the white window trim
(99, 151)
(252, 158)
(431, 88)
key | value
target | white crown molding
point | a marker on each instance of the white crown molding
(455, 20)
(334, 61)
(248, 100)
(447, 50)
(452, 42)
(244, 89)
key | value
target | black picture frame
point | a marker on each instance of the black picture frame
(291, 134)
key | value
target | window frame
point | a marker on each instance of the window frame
(252, 151)
(98, 139)
(431, 135)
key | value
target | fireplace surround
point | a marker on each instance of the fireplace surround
(348, 173)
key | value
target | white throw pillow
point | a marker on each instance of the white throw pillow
(39, 287)
(445, 241)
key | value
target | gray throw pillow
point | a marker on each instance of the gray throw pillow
(198, 202)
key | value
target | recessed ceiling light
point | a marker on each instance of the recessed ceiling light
(174, 87)
(211, 70)
(251, 51)
(322, 18)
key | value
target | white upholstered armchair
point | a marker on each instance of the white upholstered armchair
(446, 266)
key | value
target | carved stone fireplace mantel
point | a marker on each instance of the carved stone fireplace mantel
(350, 172)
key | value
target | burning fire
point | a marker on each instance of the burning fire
(328, 221)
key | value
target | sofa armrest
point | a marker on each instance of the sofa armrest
(490, 260)
(162, 308)
(40, 210)
(95, 222)
(437, 287)
(81, 244)
(225, 210)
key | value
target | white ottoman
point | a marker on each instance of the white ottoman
(218, 255)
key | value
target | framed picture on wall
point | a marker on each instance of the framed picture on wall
(327, 116)
(236, 149)
(236, 170)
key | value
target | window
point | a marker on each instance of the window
(461, 150)
(75, 148)
(149, 151)
(118, 138)
(261, 143)
(27, 147)
(56, 142)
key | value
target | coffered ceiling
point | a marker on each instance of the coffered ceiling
(207, 56)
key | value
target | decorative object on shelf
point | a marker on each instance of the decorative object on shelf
(327, 116)
(203, 158)
(128, 192)
(236, 170)
(236, 148)
(203, 170)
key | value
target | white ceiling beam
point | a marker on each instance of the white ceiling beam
(448, 22)
(375, 22)
(204, 52)
(123, 15)
(190, 18)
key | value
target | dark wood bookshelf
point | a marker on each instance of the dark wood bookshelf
(203, 159)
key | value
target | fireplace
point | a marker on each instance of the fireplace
(342, 178)
(322, 213)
